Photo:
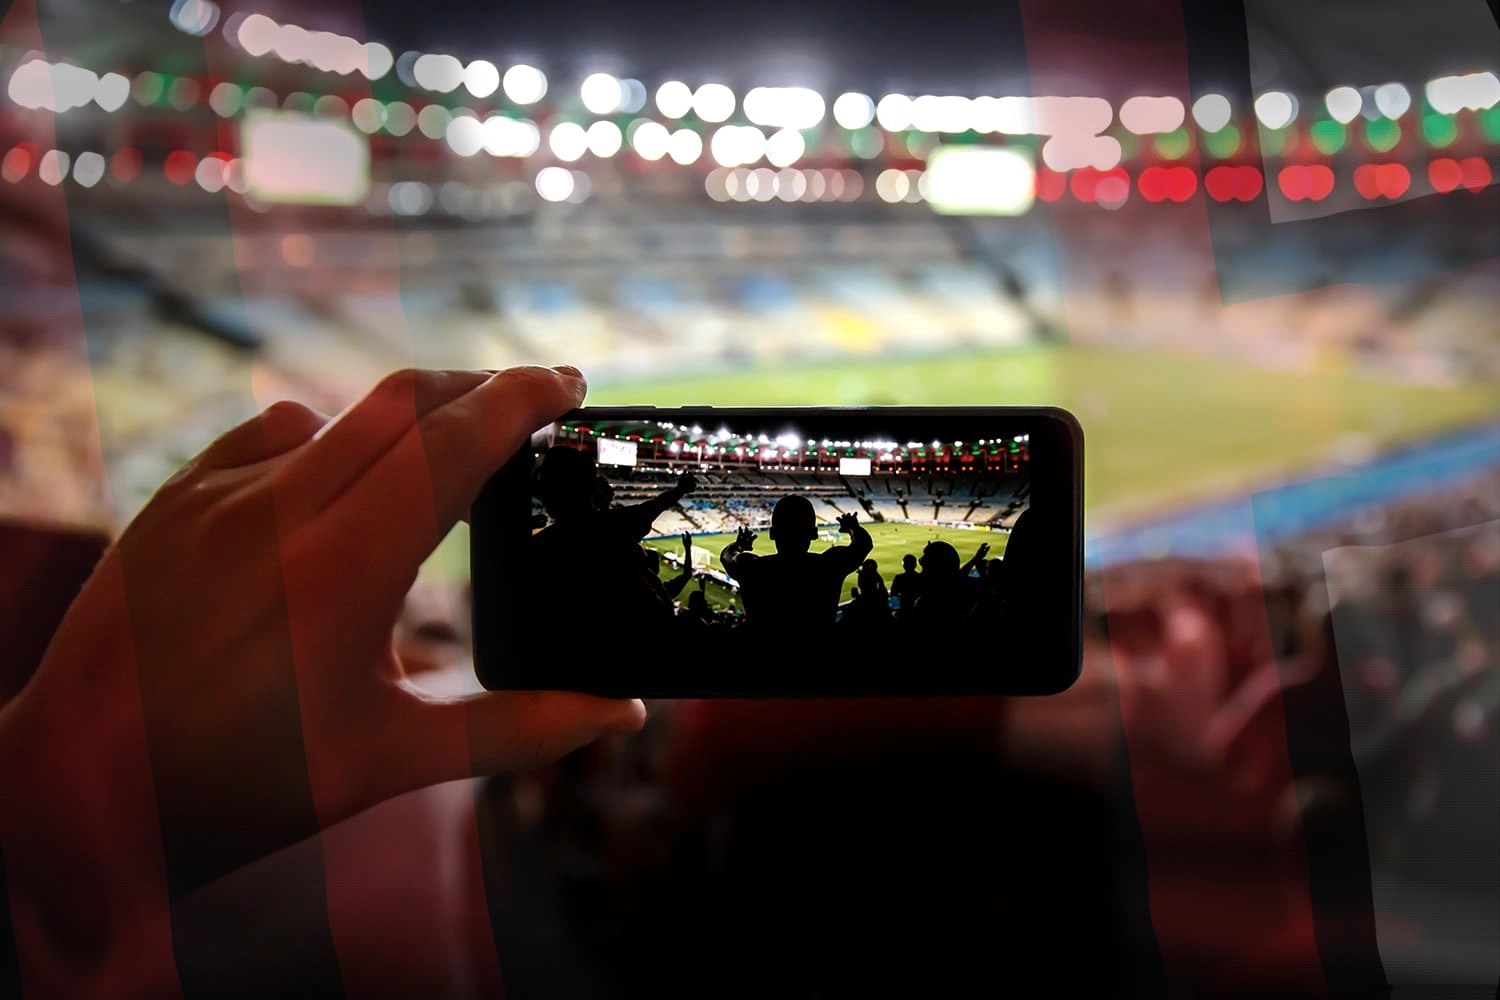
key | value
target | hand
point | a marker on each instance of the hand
(687, 483)
(984, 550)
(225, 684)
(745, 539)
(687, 547)
(847, 523)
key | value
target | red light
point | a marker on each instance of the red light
(1090, 185)
(125, 165)
(17, 163)
(1381, 180)
(1477, 173)
(1084, 183)
(1233, 183)
(1162, 183)
(1299, 181)
(180, 166)
(1445, 175)
(1050, 184)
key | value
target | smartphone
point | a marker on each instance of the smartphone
(703, 552)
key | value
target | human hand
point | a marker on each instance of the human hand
(236, 644)
(687, 546)
(984, 550)
(847, 522)
(687, 483)
(745, 539)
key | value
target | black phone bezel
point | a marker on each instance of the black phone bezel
(505, 658)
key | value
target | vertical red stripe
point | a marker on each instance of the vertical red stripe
(1118, 50)
(80, 863)
(399, 876)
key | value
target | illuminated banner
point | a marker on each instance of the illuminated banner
(612, 452)
(297, 159)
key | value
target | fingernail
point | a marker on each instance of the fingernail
(568, 370)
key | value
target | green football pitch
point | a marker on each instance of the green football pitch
(892, 543)
(1161, 431)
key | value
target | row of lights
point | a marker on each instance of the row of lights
(1109, 189)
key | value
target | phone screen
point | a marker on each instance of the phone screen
(698, 552)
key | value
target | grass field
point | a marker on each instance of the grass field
(1162, 431)
(892, 543)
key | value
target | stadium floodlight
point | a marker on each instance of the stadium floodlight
(111, 92)
(601, 93)
(713, 102)
(568, 141)
(291, 158)
(785, 147)
(1152, 115)
(465, 135)
(554, 183)
(980, 180)
(88, 169)
(194, 17)
(1212, 112)
(784, 107)
(1276, 109)
(1343, 104)
(685, 147)
(604, 139)
(438, 72)
(1449, 95)
(1393, 100)
(894, 112)
(853, 111)
(674, 99)
(39, 85)
(524, 84)
(482, 78)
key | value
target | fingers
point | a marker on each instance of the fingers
(513, 730)
(278, 429)
(406, 500)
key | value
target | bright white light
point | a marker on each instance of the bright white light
(257, 34)
(1343, 104)
(40, 85)
(1074, 152)
(465, 135)
(713, 102)
(784, 107)
(525, 84)
(892, 185)
(568, 141)
(88, 169)
(194, 17)
(210, 174)
(378, 61)
(785, 147)
(1392, 99)
(1212, 112)
(894, 112)
(1152, 115)
(367, 115)
(1475, 91)
(1072, 116)
(674, 99)
(1006, 115)
(737, 145)
(555, 183)
(604, 139)
(853, 111)
(111, 92)
(979, 180)
(601, 93)
(292, 158)
(1275, 109)
(481, 78)
(440, 73)
(633, 96)
(505, 136)
(53, 166)
(685, 147)
(934, 114)
(650, 140)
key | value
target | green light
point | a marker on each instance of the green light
(148, 88)
(1382, 134)
(1172, 145)
(1223, 143)
(1439, 130)
(1489, 120)
(1273, 140)
(866, 143)
(1328, 137)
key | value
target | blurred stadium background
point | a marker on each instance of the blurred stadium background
(1272, 303)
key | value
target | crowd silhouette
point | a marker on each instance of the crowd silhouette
(789, 593)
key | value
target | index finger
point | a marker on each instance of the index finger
(413, 494)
